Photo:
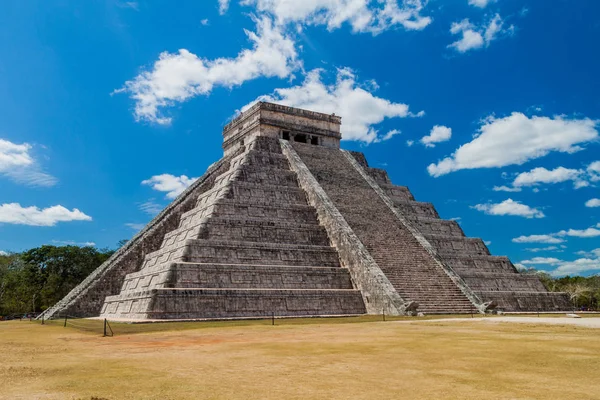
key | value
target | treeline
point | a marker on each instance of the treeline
(584, 291)
(35, 279)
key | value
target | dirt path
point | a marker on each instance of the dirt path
(563, 320)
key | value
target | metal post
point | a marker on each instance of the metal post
(65, 325)
(42, 319)
(273, 318)
(383, 313)
(104, 327)
(472, 312)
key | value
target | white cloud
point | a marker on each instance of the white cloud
(135, 226)
(173, 185)
(223, 6)
(582, 233)
(3, 253)
(362, 15)
(471, 38)
(17, 163)
(73, 243)
(541, 260)
(480, 3)
(593, 171)
(409, 143)
(359, 108)
(538, 239)
(543, 175)
(487, 242)
(438, 134)
(538, 249)
(506, 189)
(516, 139)
(177, 77)
(510, 207)
(134, 5)
(389, 135)
(592, 203)
(577, 267)
(593, 253)
(13, 213)
(476, 37)
(204, 22)
(150, 207)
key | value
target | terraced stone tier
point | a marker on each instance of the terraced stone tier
(436, 226)
(262, 230)
(507, 281)
(398, 193)
(237, 276)
(528, 301)
(463, 245)
(466, 264)
(233, 303)
(231, 252)
(301, 213)
(415, 208)
(258, 175)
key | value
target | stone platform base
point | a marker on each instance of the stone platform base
(232, 303)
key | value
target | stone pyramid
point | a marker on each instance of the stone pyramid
(288, 224)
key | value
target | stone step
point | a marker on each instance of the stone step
(215, 251)
(503, 281)
(463, 263)
(415, 209)
(197, 275)
(263, 230)
(436, 226)
(463, 245)
(232, 303)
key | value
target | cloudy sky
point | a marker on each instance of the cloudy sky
(490, 109)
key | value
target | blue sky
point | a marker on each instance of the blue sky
(489, 109)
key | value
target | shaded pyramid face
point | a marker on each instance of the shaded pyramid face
(287, 224)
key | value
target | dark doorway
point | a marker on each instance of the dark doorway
(314, 140)
(300, 138)
(285, 135)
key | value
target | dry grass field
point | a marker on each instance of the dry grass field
(317, 359)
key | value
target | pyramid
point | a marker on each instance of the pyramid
(288, 224)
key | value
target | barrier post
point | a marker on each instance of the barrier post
(104, 327)
(65, 325)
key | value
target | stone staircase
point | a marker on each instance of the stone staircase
(251, 247)
(490, 277)
(408, 266)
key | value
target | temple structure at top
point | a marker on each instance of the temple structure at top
(282, 122)
(289, 224)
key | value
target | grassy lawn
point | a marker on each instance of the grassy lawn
(300, 359)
